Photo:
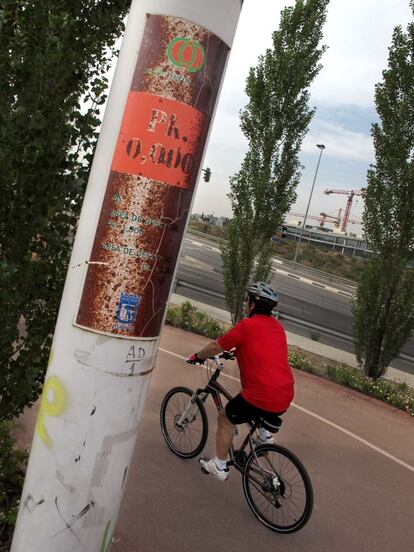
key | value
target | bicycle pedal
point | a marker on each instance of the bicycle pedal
(202, 467)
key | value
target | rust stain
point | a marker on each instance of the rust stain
(152, 179)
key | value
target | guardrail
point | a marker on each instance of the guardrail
(349, 285)
(282, 316)
(204, 235)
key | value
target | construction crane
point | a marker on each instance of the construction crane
(322, 218)
(312, 217)
(350, 194)
(336, 220)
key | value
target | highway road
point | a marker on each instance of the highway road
(358, 452)
(200, 264)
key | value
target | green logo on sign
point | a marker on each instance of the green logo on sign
(187, 53)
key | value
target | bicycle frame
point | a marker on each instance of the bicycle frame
(216, 390)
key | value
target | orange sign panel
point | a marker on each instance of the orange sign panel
(159, 139)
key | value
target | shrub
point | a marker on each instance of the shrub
(12, 466)
(315, 336)
(396, 394)
(189, 318)
(299, 361)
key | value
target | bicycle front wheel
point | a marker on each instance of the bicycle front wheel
(277, 488)
(184, 422)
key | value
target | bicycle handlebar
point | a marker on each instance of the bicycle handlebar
(227, 355)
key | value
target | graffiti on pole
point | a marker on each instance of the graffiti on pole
(153, 173)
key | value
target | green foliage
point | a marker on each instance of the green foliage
(210, 229)
(299, 361)
(396, 394)
(327, 261)
(53, 58)
(189, 318)
(12, 466)
(274, 122)
(383, 314)
(384, 304)
(238, 256)
(263, 262)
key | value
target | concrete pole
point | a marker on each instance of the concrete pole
(124, 258)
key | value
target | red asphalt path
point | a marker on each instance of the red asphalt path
(359, 453)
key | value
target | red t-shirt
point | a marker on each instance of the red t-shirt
(262, 355)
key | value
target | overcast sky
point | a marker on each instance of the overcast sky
(358, 34)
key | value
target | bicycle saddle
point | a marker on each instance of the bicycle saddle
(272, 427)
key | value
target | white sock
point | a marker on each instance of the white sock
(221, 464)
(264, 434)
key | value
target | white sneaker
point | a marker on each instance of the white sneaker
(258, 440)
(210, 467)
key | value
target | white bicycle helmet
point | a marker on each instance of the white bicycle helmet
(263, 292)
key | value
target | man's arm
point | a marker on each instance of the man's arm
(230, 340)
(210, 350)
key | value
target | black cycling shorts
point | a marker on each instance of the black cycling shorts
(239, 411)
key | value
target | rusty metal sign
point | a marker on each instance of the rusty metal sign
(153, 174)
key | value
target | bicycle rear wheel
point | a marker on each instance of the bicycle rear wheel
(278, 489)
(184, 422)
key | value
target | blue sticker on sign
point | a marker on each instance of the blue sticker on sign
(127, 308)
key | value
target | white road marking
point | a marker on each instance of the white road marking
(284, 272)
(307, 281)
(325, 421)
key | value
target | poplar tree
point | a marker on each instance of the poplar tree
(384, 303)
(53, 59)
(274, 122)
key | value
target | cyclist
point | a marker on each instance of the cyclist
(266, 377)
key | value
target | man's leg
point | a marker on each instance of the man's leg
(234, 411)
(218, 466)
(224, 436)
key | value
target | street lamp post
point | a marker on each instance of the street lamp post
(321, 147)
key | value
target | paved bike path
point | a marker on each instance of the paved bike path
(359, 453)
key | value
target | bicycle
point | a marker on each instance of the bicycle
(276, 484)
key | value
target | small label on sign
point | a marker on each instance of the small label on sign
(127, 308)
